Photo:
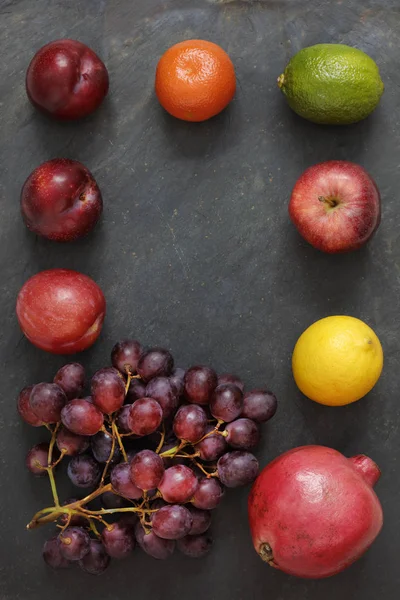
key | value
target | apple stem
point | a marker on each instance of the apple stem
(331, 201)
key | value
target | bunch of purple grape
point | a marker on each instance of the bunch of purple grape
(155, 444)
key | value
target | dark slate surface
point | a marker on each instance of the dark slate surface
(196, 252)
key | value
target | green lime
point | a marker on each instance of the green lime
(332, 84)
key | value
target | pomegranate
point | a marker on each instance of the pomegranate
(313, 512)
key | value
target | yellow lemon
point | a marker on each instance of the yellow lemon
(337, 360)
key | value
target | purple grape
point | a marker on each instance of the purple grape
(137, 389)
(71, 378)
(201, 520)
(125, 356)
(82, 417)
(75, 543)
(226, 403)
(70, 443)
(108, 390)
(145, 416)
(200, 383)
(84, 471)
(161, 389)
(122, 419)
(177, 379)
(242, 434)
(155, 362)
(130, 454)
(52, 555)
(128, 519)
(96, 560)
(101, 445)
(171, 522)
(195, 546)
(146, 470)
(208, 494)
(259, 405)
(122, 484)
(229, 378)
(190, 423)
(110, 500)
(158, 503)
(178, 485)
(118, 540)
(36, 459)
(47, 401)
(212, 447)
(24, 407)
(237, 468)
(153, 545)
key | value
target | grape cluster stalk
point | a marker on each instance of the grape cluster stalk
(154, 444)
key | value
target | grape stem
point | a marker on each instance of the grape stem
(128, 381)
(200, 466)
(146, 526)
(129, 378)
(213, 431)
(68, 521)
(173, 452)
(162, 438)
(144, 502)
(94, 529)
(50, 466)
(117, 435)
(186, 455)
(110, 456)
(51, 445)
(59, 459)
(214, 473)
(53, 486)
(52, 513)
(111, 511)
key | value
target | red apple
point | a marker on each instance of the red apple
(336, 206)
(66, 79)
(61, 311)
(61, 200)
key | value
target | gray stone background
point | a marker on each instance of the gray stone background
(195, 252)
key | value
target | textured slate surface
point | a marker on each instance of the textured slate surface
(196, 252)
